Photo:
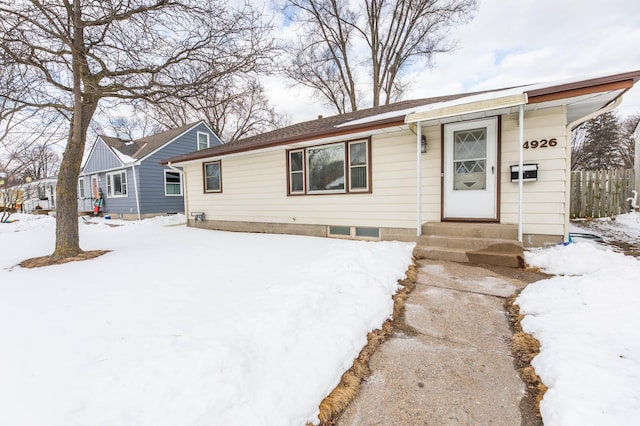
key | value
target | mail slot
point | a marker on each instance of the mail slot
(529, 172)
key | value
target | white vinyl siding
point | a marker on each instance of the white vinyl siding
(544, 201)
(172, 183)
(117, 184)
(391, 203)
(264, 197)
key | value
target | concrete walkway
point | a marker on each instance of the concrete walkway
(452, 365)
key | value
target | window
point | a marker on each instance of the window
(117, 184)
(354, 232)
(172, 183)
(367, 232)
(296, 171)
(203, 141)
(358, 176)
(212, 177)
(329, 169)
(81, 187)
(340, 231)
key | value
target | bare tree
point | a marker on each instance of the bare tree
(128, 122)
(579, 153)
(627, 147)
(235, 106)
(71, 55)
(343, 40)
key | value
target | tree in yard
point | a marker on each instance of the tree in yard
(596, 145)
(343, 41)
(234, 106)
(627, 147)
(71, 56)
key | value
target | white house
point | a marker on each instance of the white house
(391, 171)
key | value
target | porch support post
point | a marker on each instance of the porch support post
(520, 171)
(419, 179)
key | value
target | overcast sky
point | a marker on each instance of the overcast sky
(515, 42)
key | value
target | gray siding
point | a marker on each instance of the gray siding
(102, 158)
(153, 198)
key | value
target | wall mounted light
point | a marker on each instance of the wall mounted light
(423, 144)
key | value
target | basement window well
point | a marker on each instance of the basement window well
(355, 232)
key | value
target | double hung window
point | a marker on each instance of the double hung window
(212, 177)
(117, 184)
(172, 183)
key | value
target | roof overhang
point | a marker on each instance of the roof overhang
(580, 98)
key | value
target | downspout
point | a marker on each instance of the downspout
(135, 183)
(419, 179)
(520, 171)
(617, 101)
(184, 185)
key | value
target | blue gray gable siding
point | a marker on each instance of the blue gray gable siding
(149, 176)
(101, 158)
(102, 161)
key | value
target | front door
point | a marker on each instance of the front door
(470, 170)
(94, 186)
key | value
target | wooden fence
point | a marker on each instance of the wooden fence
(600, 193)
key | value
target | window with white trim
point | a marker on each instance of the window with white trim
(212, 177)
(172, 183)
(117, 184)
(203, 140)
(81, 188)
(342, 167)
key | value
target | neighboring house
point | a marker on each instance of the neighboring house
(128, 173)
(32, 195)
(390, 171)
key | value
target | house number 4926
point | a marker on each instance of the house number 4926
(542, 143)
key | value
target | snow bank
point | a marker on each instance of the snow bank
(183, 326)
(588, 324)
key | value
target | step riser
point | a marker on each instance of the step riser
(478, 258)
(468, 243)
(471, 230)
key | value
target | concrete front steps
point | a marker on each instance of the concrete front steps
(476, 243)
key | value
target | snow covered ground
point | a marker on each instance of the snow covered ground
(587, 319)
(182, 326)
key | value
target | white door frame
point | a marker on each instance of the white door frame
(479, 203)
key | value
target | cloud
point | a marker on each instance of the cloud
(528, 41)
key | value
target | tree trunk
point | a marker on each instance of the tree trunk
(84, 106)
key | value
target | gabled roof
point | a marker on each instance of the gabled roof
(583, 96)
(337, 124)
(140, 148)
